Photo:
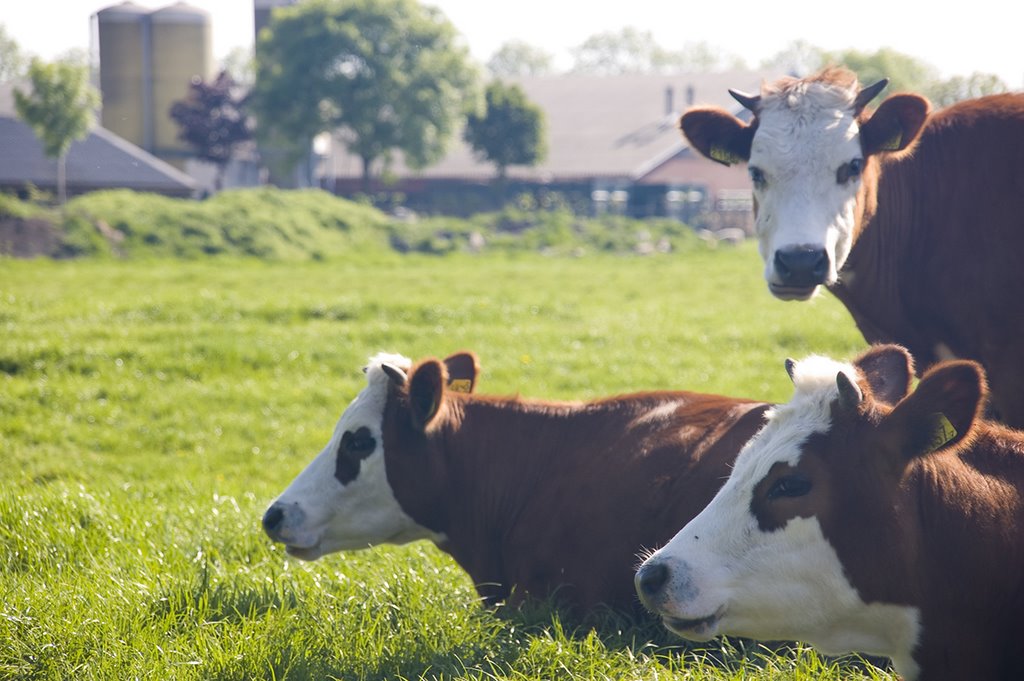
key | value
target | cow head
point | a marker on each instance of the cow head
(344, 499)
(810, 149)
(807, 540)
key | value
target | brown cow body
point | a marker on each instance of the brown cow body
(531, 498)
(939, 266)
(906, 519)
(921, 239)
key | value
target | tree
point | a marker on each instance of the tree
(799, 59)
(695, 57)
(386, 73)
(12, 62)
(59, 109)
(517, 58)
(609, 53)
(213, 121)
(240, 65)
(509, 132)
(905, 73)
(946, 92)
(634, 51)
(909, 74)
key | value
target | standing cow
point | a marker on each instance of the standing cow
(856, 525)
(529, 497)
(915, 222)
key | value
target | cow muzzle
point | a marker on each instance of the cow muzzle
(283, 523)
(659, 591)
(798, 271)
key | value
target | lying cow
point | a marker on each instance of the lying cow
(914, 221)
(528, 497)
(859, 526)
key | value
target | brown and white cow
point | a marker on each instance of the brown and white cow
(856, 525)
(915, 222)
(528, 497)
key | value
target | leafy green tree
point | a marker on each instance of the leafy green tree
(946, 92)
(509, 132)
(909, 74)
(905, 73)
(387, 74)
(213, 121)
(59, 108)
(517, 58)
(12, 61)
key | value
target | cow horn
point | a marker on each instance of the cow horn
(751, 103)
(790, 367)
(850, 395)
(396, 375)
(868, 93)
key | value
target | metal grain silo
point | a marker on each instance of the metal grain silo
(123, 70)
(182, 48)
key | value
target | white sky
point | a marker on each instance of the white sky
(956, 37)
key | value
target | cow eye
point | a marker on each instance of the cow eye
(789, 486)
(850, 171)
(756, 176)
(358, 442)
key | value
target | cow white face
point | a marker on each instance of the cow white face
(810, 150)
(757, 563)
(805, 165)
(342, 500)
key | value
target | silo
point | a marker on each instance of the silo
(121, 30)
(182, 48)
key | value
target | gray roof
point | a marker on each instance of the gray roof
(101, 160)
(615, 127)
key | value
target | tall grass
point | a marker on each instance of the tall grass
(150, 410)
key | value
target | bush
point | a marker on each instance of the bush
(275, 224)
(264, 223)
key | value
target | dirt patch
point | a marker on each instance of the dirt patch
(28, 237)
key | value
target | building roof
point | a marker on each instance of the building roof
(613, 127)
(101, 160)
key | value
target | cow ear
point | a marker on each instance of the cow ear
(888, 370)
(718, 135)
(895, 125)
(463, 368)
(426, 390)
(942, 410)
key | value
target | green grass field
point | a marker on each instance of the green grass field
(149, 411)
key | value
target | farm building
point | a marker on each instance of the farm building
(613, 145)
(100, 161)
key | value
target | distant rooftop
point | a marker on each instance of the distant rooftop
(101, 160)
(597, 126)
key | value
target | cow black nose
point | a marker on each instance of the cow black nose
(801, 266)
(272, 519)
(651, 578)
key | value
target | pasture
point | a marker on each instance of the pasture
(150, 410)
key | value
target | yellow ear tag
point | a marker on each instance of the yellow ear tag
(944, 433)
(894, 142)
(723, 155)
(460, 385)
